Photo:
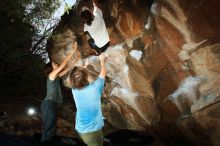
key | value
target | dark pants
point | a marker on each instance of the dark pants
(92, 138)
(96, 48)
(49, 117)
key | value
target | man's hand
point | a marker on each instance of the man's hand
(86, 63)
(95, 3)
(75, 46)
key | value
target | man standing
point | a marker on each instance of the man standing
(87, 97)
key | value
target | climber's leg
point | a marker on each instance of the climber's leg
(96, 48)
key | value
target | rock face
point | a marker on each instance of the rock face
(163, 65)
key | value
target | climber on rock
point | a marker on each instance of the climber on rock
(53, 98)
(87, 97)
(95, 28)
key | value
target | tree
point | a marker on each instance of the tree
(21, 22)
(39, 14)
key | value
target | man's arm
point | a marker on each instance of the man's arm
(54, 73)
(63, 72)
(95, 3)
(102, 59)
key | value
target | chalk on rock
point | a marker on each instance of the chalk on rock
(136, 54)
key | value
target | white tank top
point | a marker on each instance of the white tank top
(98, 30)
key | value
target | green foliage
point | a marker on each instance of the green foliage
(53, 37)
(22, 71)
(21, 20)
(38, 11)
(67, 8)
(22, 76)
(15, 34)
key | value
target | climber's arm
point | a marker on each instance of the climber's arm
(63, 72)
(102, 59)
(96, 10)
(56, 72)
(95, 3)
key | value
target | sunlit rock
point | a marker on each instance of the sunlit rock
(163, 64)
(136, 54)
(187, 94)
